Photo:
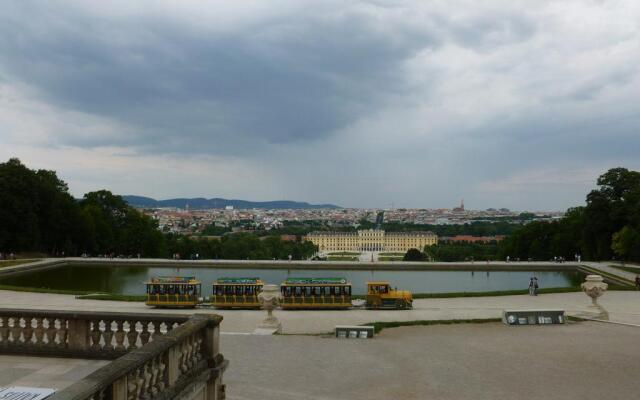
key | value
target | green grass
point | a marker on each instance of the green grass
(45, 290)
(112, 297)
(608, 276)
(392, 254)
(379, 326)
(390, 258)
(11, 263)
(501, 292)
(343, 253)
(635, 270)
(342, 258)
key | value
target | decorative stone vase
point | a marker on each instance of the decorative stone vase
(269, 299)
(594, 287)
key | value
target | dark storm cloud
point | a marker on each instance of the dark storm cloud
(285, 80)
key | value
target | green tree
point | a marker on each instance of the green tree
(414, 255)
(626, 243)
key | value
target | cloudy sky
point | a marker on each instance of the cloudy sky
(518, 104)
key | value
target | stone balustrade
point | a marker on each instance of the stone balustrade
(80, 334)
(154, 355)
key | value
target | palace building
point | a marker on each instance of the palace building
(371, 240)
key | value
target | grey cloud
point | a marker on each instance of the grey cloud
(380, 101)
(299, 79)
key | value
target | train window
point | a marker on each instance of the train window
(347, 290)
(298, 291)
(307, 291)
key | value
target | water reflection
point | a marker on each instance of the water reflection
(130, 280)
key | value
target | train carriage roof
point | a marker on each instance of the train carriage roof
(238, 281)
(173, 280)
(316, 281)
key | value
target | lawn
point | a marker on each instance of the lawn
(11, 263)
(628, 268)
(342, 258)
(390, 258)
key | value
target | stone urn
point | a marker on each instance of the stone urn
(269, 299)
(594, 287)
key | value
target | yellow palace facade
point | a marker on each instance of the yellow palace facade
(371, 240)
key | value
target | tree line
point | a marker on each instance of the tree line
(38, 214)
(607, 227)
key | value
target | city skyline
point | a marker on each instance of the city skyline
(363, 104)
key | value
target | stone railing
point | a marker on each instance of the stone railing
(80, 334)
(184, 363)
(156, 355)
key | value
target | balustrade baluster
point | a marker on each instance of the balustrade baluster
(198, 348)
(157, 326)
(146, 376)
(4, 329)
(190, 361)
(155, 376)
(162, 378)
(145, 335)
(63, 332)
(132, 385)
(139, 380)
(39, 331)
(28, 330)
(119, 334)
(108, 335)
(132, 335)
(95, 334)
(16, 330)
(51, 331)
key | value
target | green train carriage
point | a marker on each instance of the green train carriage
(315, 293)
(236, 293)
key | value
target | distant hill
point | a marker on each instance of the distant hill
(202, 203)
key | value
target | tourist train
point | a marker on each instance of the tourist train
(236, 293)
(309, 293)
(174, 292)
(297, 293)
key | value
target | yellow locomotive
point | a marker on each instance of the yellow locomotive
(380, 296)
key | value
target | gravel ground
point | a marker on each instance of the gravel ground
(467, 361)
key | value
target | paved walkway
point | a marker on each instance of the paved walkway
(52, 373)
(609, 269)
(623, 306)
(586, 360)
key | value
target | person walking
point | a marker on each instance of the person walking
(637, 282)
(535, 286)
(531, 287)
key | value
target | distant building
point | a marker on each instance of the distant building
(372, 240)
(289, 238)
(461, 208)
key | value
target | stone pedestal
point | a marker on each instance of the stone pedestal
(594, 287)
(269, 299)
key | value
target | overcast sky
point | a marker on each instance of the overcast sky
(517, 104)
